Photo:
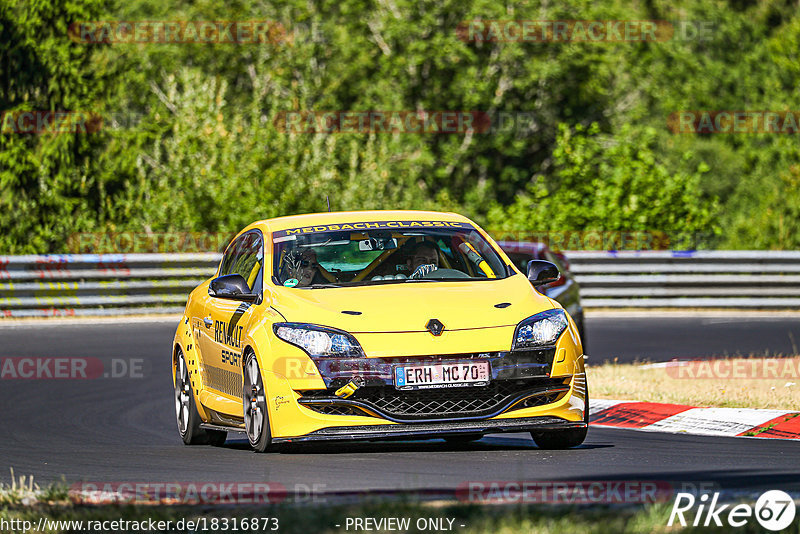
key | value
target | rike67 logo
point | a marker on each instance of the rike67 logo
(774, 510)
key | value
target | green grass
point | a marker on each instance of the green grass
(696, 384)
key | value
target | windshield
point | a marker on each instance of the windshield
(389, 252)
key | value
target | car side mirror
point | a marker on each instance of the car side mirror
(231, 286)
(542, 272)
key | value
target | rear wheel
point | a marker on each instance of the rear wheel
(563, 439)
(186, 411)
(254, 401)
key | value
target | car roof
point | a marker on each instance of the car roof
(335, 217)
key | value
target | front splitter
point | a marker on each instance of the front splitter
(433, 429)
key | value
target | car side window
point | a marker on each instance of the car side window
(227, 258)
(520, 260)
(245, 256)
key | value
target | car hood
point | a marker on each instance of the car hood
(408, 307)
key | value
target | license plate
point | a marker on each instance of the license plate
(443, 375)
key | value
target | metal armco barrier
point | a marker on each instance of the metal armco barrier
(120, 284)
(688, 279)
(107, 284)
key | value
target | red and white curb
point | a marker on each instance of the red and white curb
(676, 418)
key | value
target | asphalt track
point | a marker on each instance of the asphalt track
(664, 337)
(123, 429)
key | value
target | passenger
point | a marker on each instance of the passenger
(423, 259)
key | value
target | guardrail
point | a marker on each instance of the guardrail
(105, 284)
(119, 284)
(691, 279)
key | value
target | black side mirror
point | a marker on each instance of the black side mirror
(542, 272)
(231, 286)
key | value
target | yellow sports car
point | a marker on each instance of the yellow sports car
(376, 325)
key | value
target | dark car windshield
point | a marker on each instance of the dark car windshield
(383, 253)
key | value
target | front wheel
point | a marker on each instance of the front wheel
(254, 401)
(559, 439)
(186, 411)
(563, 439)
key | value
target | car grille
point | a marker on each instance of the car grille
(439, 403)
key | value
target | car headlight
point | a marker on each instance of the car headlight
(318, 340)
(540, 330)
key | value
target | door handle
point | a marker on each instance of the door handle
(208, 322)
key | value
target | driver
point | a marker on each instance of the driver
(423, 259)
(303, 266)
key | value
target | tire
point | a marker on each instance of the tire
(463, 438)
(563, 439)
(186, 411)
(254, 405)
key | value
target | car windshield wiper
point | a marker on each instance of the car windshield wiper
(320, 286)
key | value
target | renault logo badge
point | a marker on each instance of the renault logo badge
(435, 327)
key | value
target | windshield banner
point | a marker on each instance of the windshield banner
(372, 225)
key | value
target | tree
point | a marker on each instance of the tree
(610, 183)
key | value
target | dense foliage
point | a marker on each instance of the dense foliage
(190, 140)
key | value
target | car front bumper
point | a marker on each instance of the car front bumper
(436, 429)
(547, 391)
(291, 421)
